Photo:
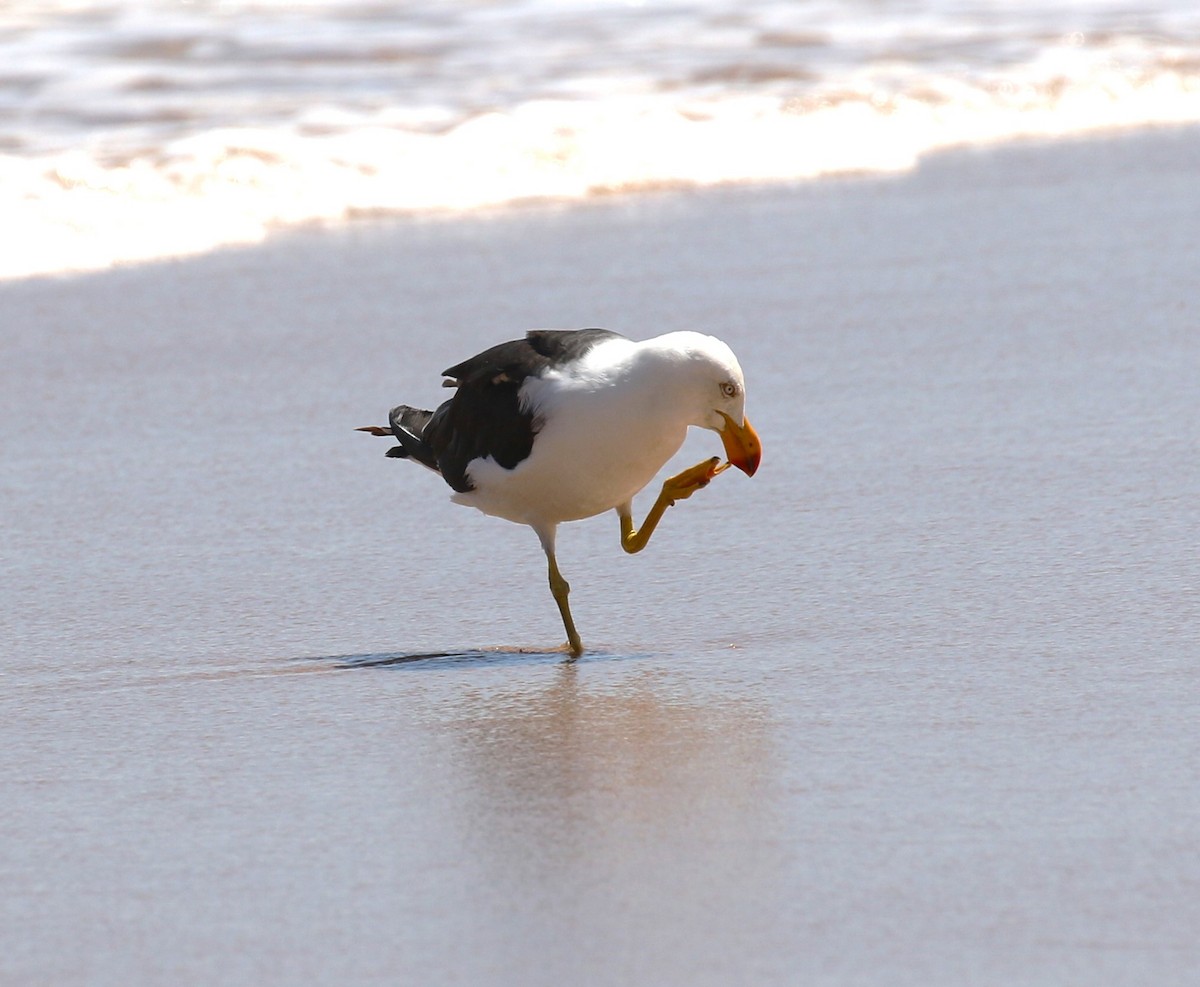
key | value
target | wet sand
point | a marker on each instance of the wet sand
(914, 705)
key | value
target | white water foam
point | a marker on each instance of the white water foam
(128, 133)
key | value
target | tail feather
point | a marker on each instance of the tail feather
(410, 421)
(407, 425)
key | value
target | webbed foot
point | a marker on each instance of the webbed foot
(683, 485)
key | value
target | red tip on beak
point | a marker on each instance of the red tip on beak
(742, 446)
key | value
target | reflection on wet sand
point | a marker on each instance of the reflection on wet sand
(555, 749)
(638, 807)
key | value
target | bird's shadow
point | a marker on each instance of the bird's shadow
(466, 658)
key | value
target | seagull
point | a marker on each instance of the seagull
(566, 424)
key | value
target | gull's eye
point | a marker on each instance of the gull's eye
(729, 389)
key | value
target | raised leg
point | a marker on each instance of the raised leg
(678, 487)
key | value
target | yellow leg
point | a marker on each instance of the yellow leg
(678, 487)
(560, 588)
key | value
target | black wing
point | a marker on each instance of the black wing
(484, 418)
(540, 350)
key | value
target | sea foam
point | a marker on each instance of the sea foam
(172, 135)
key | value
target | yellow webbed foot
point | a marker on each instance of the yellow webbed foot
(683, 485)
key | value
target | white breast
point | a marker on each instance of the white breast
(606, 431)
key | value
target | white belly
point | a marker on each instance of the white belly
(589, 457)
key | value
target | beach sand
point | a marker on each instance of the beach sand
(914, 705)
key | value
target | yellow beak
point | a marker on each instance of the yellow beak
(742, 446)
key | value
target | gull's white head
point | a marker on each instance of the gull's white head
(705, 370)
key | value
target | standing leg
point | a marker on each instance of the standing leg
(561, 589)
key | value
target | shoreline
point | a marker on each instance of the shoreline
(629, 197)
